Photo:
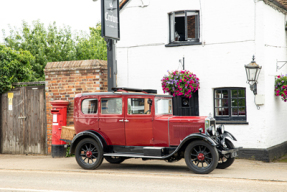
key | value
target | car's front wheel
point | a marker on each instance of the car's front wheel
(114, 160)
(201, 157)
(89, 154)
(226, 160)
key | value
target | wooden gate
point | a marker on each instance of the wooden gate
(23, 121)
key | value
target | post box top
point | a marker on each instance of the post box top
(59, 103)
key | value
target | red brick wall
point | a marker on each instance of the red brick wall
(66, 79)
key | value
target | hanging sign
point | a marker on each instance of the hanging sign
(110, 19)
(10, 101)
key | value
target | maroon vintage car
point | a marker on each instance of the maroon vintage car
(138, 123)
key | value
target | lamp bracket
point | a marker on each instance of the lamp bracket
(277, 65)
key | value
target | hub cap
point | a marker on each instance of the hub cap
(89, 154)
(200, 156)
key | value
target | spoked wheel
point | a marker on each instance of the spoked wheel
(89, 154)
(114, 160)
(201, 157)
(226, 160)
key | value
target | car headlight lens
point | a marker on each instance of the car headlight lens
(221, 129)
(211, 130)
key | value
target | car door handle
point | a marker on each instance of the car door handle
(121, 120)
(126, 120)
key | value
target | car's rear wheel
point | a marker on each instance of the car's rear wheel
(201, 157)
(89, 154)
(226, 160)
(114, 160)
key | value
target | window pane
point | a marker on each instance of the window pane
(171, 23)
(241, 102)
(234, 102)
(235, 111)
(217, 111)
(224, 111)
(163, 106)
(217, 94)
(191, 27)
(111, 106)
(241, 93)
(225, 93)
(224, 103)
(242, 111)
(90, 106)
(234, 93)
(217, 102)
(138, 106)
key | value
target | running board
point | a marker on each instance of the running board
(133, 155)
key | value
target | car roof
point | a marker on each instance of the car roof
(125, 93)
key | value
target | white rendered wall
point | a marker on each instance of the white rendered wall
(231, 32)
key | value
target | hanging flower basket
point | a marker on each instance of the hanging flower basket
(180, 83)
(281, 87)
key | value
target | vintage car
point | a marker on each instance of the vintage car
(138, 123)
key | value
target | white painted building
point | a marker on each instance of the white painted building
(226, 35)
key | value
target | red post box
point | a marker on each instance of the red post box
(59, 112)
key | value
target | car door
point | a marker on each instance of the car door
(138, 120)
(111, 117)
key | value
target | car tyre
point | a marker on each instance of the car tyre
(114, 160)
(89, 154)
(226, 160)
(201, 157)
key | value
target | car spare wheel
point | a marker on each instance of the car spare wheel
(114, 160)
(201, 157)
(89, 154)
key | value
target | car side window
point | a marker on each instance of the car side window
(139, 106)
(90, 106)
(111, 106)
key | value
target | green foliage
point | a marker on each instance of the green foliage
(56, 44)
(15, 66)
(92, 46)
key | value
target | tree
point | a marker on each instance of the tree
(15, 66)
(92, 46)
(53, 44)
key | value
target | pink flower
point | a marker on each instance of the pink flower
(278, 76)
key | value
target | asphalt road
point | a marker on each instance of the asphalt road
(43, 173)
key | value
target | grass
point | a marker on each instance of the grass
(282, 159)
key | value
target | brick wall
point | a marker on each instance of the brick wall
(66, 79)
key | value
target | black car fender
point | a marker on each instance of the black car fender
(87, 134)
(193, 137)
(227, 134)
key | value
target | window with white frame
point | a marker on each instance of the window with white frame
(184, 26)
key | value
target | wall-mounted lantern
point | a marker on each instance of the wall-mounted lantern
(252, 73)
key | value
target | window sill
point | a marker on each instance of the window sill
(233, 122)
(183, 43)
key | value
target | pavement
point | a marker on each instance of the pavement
(240, 170)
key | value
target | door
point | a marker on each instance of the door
(138, 121)
(111, 120)
(23, 116)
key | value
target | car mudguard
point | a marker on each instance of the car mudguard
(85, 134)
(227, 134)
(192, 137)
(198, 136)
